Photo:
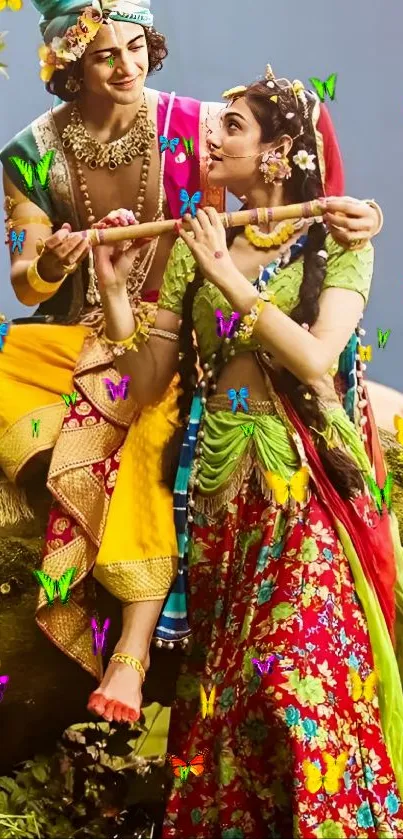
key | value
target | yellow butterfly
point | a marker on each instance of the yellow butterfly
(314, 780)
(363, 689)
(207, 705)
(398, 423)
(14, 5)
(296, 487)
(365, 352)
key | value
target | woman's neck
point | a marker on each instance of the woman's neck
(104, 119)
(266, 195)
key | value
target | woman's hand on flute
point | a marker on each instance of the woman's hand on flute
(113, 262)
(208, 244)
(349, 219)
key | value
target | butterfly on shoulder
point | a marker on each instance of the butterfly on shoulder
(330, 779)
(182, 768)
(398, 423)
(363, 689)
(30, 170)
(207, 704)
(327, 87)
(53, 587)
(296, 487)
(381, 495)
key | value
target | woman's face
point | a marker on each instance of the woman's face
(239, 137)
(115, 64)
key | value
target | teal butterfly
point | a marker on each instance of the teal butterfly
(40, 170)
(328, 87)
(53, 587)
(189, 203)
(384, 495)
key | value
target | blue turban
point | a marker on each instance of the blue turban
(59, 15)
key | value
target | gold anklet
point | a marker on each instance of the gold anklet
(125, 658)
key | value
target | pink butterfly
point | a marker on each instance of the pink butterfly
(3, 684)
(265, 666)
(99, 636)
(226, 327)
(118, 390)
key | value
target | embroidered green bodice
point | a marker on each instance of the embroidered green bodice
(345, 269)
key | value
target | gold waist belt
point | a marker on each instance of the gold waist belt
(221, 402)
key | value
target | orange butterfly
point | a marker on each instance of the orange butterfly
(182, 768)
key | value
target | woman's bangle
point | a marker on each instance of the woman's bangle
(37, 283)
(143, 321)
(248, 322)
(163, 333)
(376, 207)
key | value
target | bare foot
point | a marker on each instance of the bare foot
(119, 696)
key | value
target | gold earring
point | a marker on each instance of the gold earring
(72, 85)
(275, 167)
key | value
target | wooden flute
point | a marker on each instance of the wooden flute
(148, 230)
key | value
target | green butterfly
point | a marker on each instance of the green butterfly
(40, 170)
(384, 495)
(328, 87)
(54, 587)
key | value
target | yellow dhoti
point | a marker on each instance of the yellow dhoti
(125, 532)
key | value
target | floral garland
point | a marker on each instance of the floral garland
(61, 51)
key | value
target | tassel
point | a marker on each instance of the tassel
(14, 506)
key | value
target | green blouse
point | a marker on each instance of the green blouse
(345, 269)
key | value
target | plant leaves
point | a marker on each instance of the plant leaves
(40, 773)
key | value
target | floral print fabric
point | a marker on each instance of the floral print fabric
(298, 751)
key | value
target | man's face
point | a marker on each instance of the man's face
(115, 64)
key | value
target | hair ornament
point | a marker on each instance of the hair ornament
(269, 74)
(233, 91)
(290, 115)
(274, 98)
(304, 160)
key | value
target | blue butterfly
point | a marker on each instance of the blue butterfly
(169, 144)
(189, 203)
(238, 397)
(17, 241)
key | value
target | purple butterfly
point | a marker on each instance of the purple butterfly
(265, 666)
(121, 389)
(3, 684)
(226, 327)
(99, 636)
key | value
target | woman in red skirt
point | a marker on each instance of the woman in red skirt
(289, 706)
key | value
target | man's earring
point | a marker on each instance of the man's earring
(72, 85)
(275, 167)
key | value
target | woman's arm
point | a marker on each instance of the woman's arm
(308, 355)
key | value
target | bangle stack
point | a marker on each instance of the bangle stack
(37, 283)
(143, 322)
(249, 321)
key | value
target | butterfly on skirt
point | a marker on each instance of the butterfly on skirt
(207, 704)
(53, 587)
(295, 488)
(267, 665)
(363, 689)
(182, 768)
(118, 391)
(330, 780)
(4, 680)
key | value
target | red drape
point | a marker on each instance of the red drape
(334, 183)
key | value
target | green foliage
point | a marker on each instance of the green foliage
(79, 791)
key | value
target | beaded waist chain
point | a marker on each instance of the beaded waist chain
(221, 402)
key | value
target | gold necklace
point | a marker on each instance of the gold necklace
(135, 142)
(140, 267)
(282, 232)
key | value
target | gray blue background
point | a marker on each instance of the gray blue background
(216, 44)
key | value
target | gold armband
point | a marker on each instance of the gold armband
(20, 222)
(376, 207)
(37, 283)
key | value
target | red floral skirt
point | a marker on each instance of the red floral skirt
(296, 751)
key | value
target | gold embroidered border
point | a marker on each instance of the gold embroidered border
(18, 445)
(147, 579)
(67, 625)
(319, 143)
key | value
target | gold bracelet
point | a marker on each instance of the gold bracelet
(37, 283)
(163, 333)
(249, 321)
(376, 207)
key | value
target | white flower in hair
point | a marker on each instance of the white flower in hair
(304, 160)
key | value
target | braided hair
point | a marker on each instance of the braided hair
(277, 118)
